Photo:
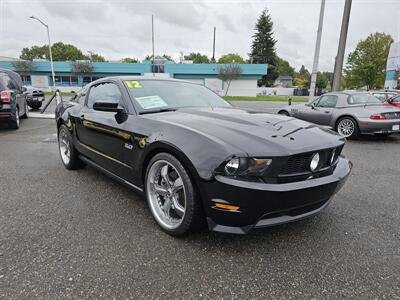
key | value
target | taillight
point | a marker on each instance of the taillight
(377, 117)
(5, 97)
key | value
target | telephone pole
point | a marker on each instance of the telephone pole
(213, 56)
(342, 46)
(316, 52)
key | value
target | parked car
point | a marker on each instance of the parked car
(384, 95)
(34, 97)
(350, 113)
(393, 101)
(198, 159)
(13, 104)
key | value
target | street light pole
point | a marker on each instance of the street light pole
(51, 55)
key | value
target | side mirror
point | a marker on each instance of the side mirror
(107, 106)
(23, 89)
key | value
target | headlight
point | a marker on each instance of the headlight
(246, 166)
(232, 166)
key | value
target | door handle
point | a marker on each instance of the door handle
(326, 111)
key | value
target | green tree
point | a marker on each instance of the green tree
(231, 58)
(283, 67)
(129, 60)
(302, 78)
(197, 58)
(366, 65)
(228, 73)
(94, 57)
(63, 51)
(263, 47)
(35, 52)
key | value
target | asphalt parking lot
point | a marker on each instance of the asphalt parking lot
(78, 234)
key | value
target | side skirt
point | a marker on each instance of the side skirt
(110, 174)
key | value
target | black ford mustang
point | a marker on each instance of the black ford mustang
(198, 159)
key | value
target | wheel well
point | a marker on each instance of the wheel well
(181, 157)
(283, 112)
(345, 116)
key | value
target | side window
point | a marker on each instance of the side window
(9, 83)
(104, 92)
(328, 101)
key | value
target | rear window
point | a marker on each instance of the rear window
(363, 98)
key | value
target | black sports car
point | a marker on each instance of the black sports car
(198, 159)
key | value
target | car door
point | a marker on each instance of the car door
(323, 110)
(100, 136)
(304, 111)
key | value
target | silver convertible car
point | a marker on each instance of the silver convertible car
(350, 113)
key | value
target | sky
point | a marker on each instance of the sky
(122, 28)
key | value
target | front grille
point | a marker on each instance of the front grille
(392, 115)
(297, 167)
(296, 164)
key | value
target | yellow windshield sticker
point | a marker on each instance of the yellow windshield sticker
(133, 84)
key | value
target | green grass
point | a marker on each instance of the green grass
(62, 93)
(267, 98)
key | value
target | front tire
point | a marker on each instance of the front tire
(68, 153)
(348, 128)
(171, 195)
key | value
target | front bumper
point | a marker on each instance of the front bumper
(263, 205)
(379, 126)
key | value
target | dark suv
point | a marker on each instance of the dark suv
(13, 104)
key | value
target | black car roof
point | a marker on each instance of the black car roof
(126, 78)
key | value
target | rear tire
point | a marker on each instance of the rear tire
(14, 123)
(284, 113)
(171, 196)
(68, 153)
(348, 128)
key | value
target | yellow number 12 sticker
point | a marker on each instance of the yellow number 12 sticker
(133, 84)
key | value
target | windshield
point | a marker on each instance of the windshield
(164, 94)
(363, 98)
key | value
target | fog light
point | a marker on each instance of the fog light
(314, 162)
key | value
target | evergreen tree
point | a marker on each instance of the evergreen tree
(263, 47)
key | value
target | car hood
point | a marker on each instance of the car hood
(252, 132)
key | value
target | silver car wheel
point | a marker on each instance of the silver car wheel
(166, 194)
(346, 127)
(63, 144)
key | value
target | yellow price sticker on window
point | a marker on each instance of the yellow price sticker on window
(133, 84)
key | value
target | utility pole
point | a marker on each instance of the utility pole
(213, 56)
(152, 41)
(342, 46)
(316, 52)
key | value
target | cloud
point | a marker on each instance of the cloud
(122, 28)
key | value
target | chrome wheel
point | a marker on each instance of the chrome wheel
(64, 146)
(346, 127)
(166, 194)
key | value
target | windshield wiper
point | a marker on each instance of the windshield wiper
(153, 111)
